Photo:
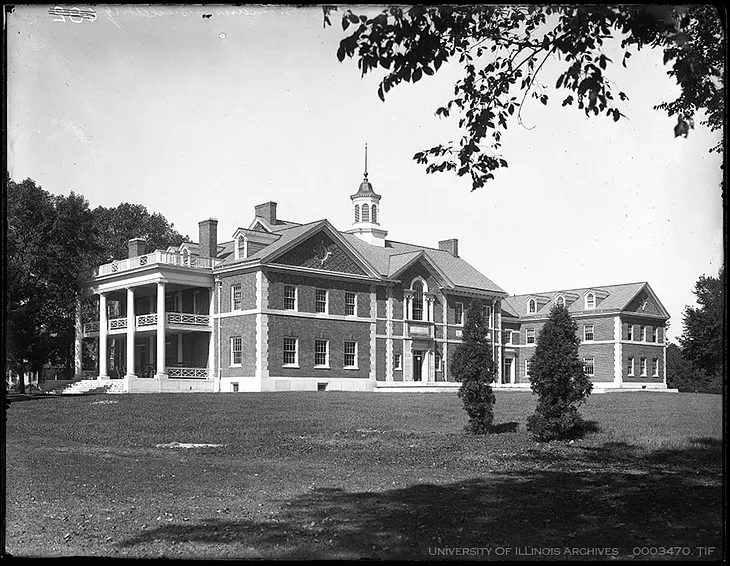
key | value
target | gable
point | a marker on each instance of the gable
(320, 251)
(644, 303)
(422, 270)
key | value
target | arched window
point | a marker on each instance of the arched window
(531, 306)
(357, 213)
(417, 300)
(374, 214)
(590, 301)
(365, 213)
(560, 301)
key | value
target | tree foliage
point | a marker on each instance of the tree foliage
(558, 378)
(53, 242)
(685, 376)
(473, 365)
(502, 51)
(703, 337)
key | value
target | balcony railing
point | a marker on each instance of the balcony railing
(186, 318)
(145, 321)
(156, 258)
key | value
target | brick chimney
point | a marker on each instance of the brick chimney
(267, 211)
(208, 240)
(137, 247)
(451, 246)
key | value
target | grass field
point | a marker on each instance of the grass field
(347, 475)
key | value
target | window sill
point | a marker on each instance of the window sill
(351, 368)
(322, 367)
(292, 366)
(235, 365)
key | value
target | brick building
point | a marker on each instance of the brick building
(288, 306)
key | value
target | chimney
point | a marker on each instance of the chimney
(451, 246)
(267, 211)
(208, 241)
(137, 247)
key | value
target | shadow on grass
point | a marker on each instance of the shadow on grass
(504, 427)
(614, 496)
(19, 397)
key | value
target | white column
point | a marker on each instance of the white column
(161, 315)
(211, 341)
(617, 352)
(78, 342)
(103, 329)
(131, 324)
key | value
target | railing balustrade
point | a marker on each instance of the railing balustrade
(188, 318)
(187, 373)
(158, 257)
(146, 320)
(117, 323)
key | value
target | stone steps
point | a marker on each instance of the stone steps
(93, 387)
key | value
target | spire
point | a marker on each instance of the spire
(366, 161)
(366, 189)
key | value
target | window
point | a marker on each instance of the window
(374, 214)
(196, 302)
(588, 333)
(487, 314)
(417, 300)
(172, 302)
(588, 367)
(357, 213)
(560, 301)
(437, 362)
(655, 367)
(655, 334)
(320, 300)
(290, 298)
(234, 387)
(528, 363)
(630, 332)
(631, 367)
(350, 299)
(643, 367)
(642, 333)
(530, 336)
(236, 350)
(508, 337)
(459, 313)
(321, 353)
(531, 306)
(365, 213)
(350, 360)
(290, 351)
(236, 298)
(590, 301)
(397, 361)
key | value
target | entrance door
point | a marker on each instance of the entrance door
(417, 364)
(507, 374)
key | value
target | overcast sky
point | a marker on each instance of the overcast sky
(197, 117)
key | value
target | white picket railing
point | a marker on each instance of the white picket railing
(147, 320)
(187, 373)
(158, 257)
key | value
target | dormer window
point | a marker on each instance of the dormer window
(560, 301)
(590, 301)
(531, 306)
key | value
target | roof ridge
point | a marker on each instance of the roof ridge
(582, 288)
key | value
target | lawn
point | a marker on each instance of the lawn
(372, 475)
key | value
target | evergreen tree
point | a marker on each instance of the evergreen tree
(473, 365)
(558, 378)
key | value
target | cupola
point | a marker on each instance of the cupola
(366, 212)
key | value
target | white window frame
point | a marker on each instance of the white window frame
(592, 362)
(528, 363)
(235, 351)
(354, 303)
(655, 334)
(527, 336)
(531, 306)
(317, 302)
(642, 332)
(296, 297)
(590, 301)
(459, 314)
(487, 314)
(630, 332)
(631, 366)
(345, 354)
(397, 361)
(326, 364)
(643, 367)
(437, 361)
(585, 333)
(507, 337)
(655, 367)
(560, 300)
(287, 339)
(233, 297)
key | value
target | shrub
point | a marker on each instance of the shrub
(557, 377)
(473, 365)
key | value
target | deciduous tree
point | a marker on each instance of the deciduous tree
(473, 365)
(502, 51)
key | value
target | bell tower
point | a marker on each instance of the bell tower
(366, 212)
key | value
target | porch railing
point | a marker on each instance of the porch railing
(187, 373)
(147, 320)
(157, 257)
(187, 318)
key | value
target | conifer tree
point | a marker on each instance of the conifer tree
(473, 365)
(558, 378)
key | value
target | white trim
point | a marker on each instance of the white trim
(326, 300)
(284, 351)
(326, 364)
(296, 298)
(344, 353)
(586, 297)
(232, 351)
(463, 314)
(354, 313)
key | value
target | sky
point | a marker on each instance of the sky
(204, 117)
